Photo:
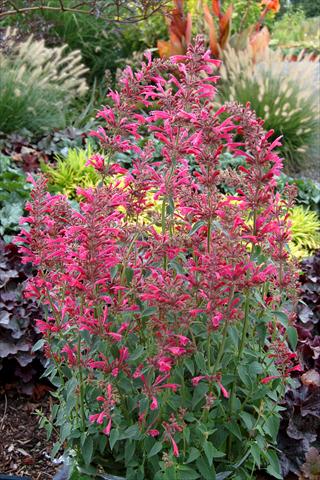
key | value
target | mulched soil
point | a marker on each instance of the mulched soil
(24, 448)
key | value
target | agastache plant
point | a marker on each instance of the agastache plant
(170, 343)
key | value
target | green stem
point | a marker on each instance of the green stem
(222, 345)
(163, 225)
(83, 417)
(246, 324)
(209, 352)
(209, 235)
(245, 328)
(224, 333)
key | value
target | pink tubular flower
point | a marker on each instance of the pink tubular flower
(154, 404)
(107, 430)
(269, 379)
(175, 447)
(215, 320)
(96, 161)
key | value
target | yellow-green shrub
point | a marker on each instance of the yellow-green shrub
(70, 172)
(305, 232)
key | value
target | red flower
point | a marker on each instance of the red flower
(273, 5)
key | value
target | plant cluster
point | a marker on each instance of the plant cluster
(216, 20)
(18, 331)
(37, 84)
(299, 434)
(275, 91)
(310, 7)
(14, 191)
(169, 344)
(308, 192)
(305, 229)
(293, 29)
(70, 172)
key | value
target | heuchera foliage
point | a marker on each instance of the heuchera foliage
(18, 331)
(300, 426)
(168, 342)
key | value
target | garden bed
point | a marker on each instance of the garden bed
(24, 449)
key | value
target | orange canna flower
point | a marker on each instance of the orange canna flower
(272, 5)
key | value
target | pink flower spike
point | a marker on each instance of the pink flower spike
(153, 432)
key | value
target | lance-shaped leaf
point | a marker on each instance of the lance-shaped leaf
(216, 7)
(213, 41)
(225, 27)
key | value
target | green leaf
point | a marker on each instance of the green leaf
(194, 454)
(271, 426)
(129, 275)
(200, 362)
(255, 368)
(274, 465)
(139, 351)
(190, 365)
(244, 375)
(102, 443)
(255, 452)
(199, 393)
(223, 475)
(131, 432)
(55, 449)
(207, 472)
(177, 266)
(234, 429)
(87, 450)
(248, 420)
(147, 312)
(65, 431)
(76, 475)
(170, 206)
(38, 345)
(292, 337)
(70, 404)
(129, 451)
(196, 227)
(114, 437)
(188, 473)
(234, 335)
(155, 449)
(282, 317)
(208, 450)
(211, 452)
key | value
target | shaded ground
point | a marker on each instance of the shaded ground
(23, 445)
